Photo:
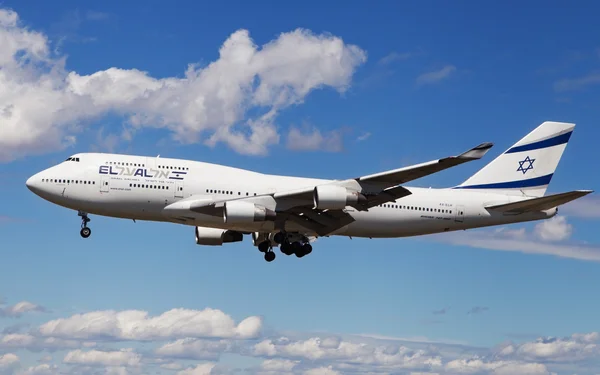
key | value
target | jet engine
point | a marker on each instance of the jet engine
(240, 212)
(335, 197)
(216, 237)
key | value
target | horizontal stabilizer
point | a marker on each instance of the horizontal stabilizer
(540, 204)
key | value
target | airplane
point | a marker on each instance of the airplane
(224, 203)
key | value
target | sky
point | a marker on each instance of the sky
(317, 90)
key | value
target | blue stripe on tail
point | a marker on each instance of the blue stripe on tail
(538, 181)
(554, 141)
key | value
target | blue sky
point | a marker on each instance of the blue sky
(371, 87)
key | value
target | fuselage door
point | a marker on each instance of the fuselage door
(104, 184)
(179, 189)
(460, 214)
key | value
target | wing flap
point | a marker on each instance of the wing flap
(540, 204)
(413, 172)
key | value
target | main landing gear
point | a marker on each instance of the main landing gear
(85, 231)
(289, 243)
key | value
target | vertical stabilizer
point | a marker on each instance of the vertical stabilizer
(526, 168)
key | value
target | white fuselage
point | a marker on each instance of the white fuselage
(138, 187)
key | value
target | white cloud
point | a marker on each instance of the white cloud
(137, 325)
(554, 229)
(395, 56)
(520, 240)
(124, 357)
(322, 371)
(349, 352)
(312, 139)
(436, 75)
(576, 347)
(194, 349)
(292, 354)
(44, 105)
(8, 362)
(34, 343)
(44, 369)
(21, 308)
(586, 207)
(201, 369)
(572, 84)
(363, 137)
(478, 366)
(278, 366)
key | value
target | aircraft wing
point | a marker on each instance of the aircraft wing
(298, 205)
(413, 172)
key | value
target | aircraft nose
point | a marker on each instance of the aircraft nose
(32, 183)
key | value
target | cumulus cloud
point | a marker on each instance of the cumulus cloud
(44, 369)
(138, 325)
(577, 347)
(20, 308)
(201, 369)
(36, 344)
(44, 106)
(124, 357)
(194, 349)
(295, 353)
(8, 362)
(554, 229)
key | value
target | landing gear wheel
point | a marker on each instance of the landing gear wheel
(85, 232)
(270, 256)
(307, 248)
(264, 246)
(286, 248)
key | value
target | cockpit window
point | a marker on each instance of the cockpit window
(73, 159)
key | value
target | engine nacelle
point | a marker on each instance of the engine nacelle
(216, 237)
(333, 197)
(240, 212)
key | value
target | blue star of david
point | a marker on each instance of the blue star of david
(524, 166)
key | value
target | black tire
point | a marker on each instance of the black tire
(264, 246)
(85, 232)
(307, 248)
(269, 256)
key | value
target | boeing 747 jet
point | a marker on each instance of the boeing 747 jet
(223, 204)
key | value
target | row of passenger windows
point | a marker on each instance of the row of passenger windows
(161, 187)
(125, 164)
(61, 181)
(212, 191)
(143, 165)
(438, 210)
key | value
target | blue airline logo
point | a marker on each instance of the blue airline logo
(525, 165)
(141, 172)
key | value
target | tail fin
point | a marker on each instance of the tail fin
(527, 167)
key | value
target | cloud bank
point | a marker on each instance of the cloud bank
(43, 105)
(183, 342)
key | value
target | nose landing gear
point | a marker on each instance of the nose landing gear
(85, 231)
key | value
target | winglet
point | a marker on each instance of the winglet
(476, 152)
